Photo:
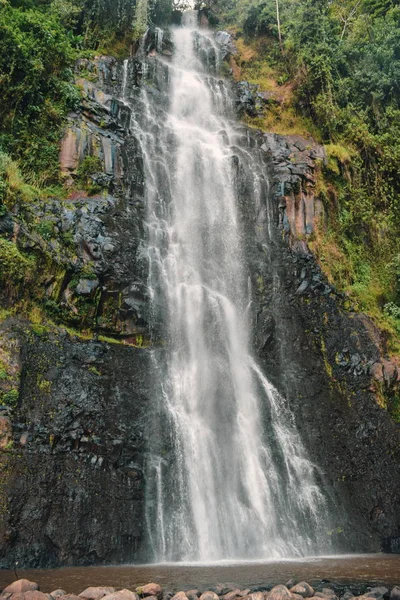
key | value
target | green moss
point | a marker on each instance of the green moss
(92, 369)
(15, 267)
(9, 398)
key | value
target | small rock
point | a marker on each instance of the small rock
(21, 585)
(95, 593)
(121, 595)
(289, 584)
(280, 592)
(303, 588)
(58, 593)
(151, 589)
(86, 286)
(257, 596)
(246, 593)
(231, 595)
(302, 288)
(209, 596)
(180, 596)
(194, 594)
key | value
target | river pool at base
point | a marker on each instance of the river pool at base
(349, 569)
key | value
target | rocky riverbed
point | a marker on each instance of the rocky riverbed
(23, 589)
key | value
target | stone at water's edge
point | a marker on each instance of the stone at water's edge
(21, 585)
(95, 593)
(279, 592)
(303, 589)
(151, 589)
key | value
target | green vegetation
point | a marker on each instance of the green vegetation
(334, 74)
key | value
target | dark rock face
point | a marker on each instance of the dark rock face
(75, 492)
(74, 480)
(323, 358)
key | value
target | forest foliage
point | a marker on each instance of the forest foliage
(341, 59)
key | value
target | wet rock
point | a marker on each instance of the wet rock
(86, 286)
(151, 589)
(280, 592)
(245, 101)
(21, 585)
(209, 596)
(303, 589)
(95, 593)
(226, 44)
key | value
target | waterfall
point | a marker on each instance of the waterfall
(228, 476)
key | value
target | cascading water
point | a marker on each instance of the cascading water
(228, 477)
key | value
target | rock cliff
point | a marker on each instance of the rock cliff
(74, 440)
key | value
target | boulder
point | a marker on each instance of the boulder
(303, 588)
(279, 592)
(151, 589)
(209, 596)
(36, 595)
(21, 585)
(95, 593)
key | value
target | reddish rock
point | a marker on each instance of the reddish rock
(121, 595)
(36, 595)
(231, 595)
(209, 596)
(151, 589)
(280, 592)
(21, 585)
(17, 596)
(179, 596)
(95, 593)
(303, 589)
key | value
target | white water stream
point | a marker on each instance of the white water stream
(235, 481)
